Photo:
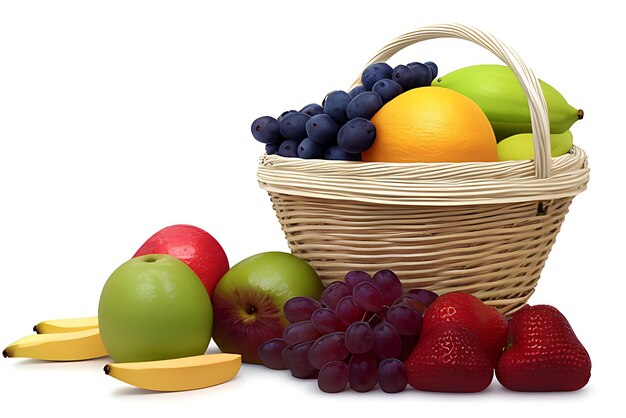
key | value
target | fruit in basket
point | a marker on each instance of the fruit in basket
(327, 131)
(431, 124)
(543, 353)
(352, 341)
(248, 301)
(356, 135)
(266, 130)
(194, 247)
(497, 91)
(522, 147)
(467, 310)
(375, 72)
(154, 307)
(449, 359)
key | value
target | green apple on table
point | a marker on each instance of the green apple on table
(154, 307)
(248, 301)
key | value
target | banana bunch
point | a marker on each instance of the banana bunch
(76, 339)
(497, 91)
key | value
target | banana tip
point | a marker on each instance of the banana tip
(107, 369)
(35, 329)
(5, 354)
(581, 114)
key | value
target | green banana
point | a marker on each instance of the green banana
(521, 146)
(496, 90)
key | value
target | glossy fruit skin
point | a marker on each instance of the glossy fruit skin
(193, 246)
(464, 309)
(249, 299)
(432, 124)
(154, 307)
(522, 147)
(544, 355)
(497, 91)
(449, 359)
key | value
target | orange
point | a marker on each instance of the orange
(432, 124)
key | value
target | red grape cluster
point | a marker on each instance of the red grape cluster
(358, 334)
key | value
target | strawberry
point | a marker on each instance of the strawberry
(544, 354)
(449, 359)
(467, 310)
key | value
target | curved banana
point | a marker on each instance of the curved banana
(65, 346)
(496, 90)
(521, 146)
(178, 374)
(54, 326)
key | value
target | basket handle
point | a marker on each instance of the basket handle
(538, 110)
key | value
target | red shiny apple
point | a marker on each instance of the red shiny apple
(193, 246)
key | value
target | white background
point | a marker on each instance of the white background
(118, 118)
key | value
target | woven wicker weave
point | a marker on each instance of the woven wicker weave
(484, 228)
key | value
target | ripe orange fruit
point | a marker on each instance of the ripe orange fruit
(432, 124)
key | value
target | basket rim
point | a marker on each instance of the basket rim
(438, 184)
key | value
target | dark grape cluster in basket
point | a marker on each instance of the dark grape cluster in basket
(340, 128)
(358, 334)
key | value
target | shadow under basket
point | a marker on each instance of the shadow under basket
(481, 227)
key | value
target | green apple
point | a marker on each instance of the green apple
(249, 300)
(154, 307)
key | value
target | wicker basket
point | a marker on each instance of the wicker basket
(484, 228)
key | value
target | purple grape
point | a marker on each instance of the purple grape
(296, 358)
(359, 337)
(266, 130)
(392, 375)
(326, 322)
(312, 109)
(300, 332)
(387, 89)
(408, 345)
(310, 149)
(288, 148)
(425, 296)
(433, 69)
(375, 72)
(356, 91)
(335, 104)
(322, 129)
(402, 75)
(327, 348)
(365, 105)
(405, 320)
(293, 125)
(334, 292)
(355, 277)
(389, 285)
(368, 297)
(271, 353)
(363, 372)
(285, 113)
(422, 75)
(333, 377)
(300, 308)
(387, 341)
(357, 135)
(348, 311)
(272, 148)
(335, 152)
(414, 304)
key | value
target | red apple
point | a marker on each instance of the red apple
(193, 246)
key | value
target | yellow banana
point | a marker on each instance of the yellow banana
(522, 147)
(64, 346)
(178, 374)
(54, 326)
